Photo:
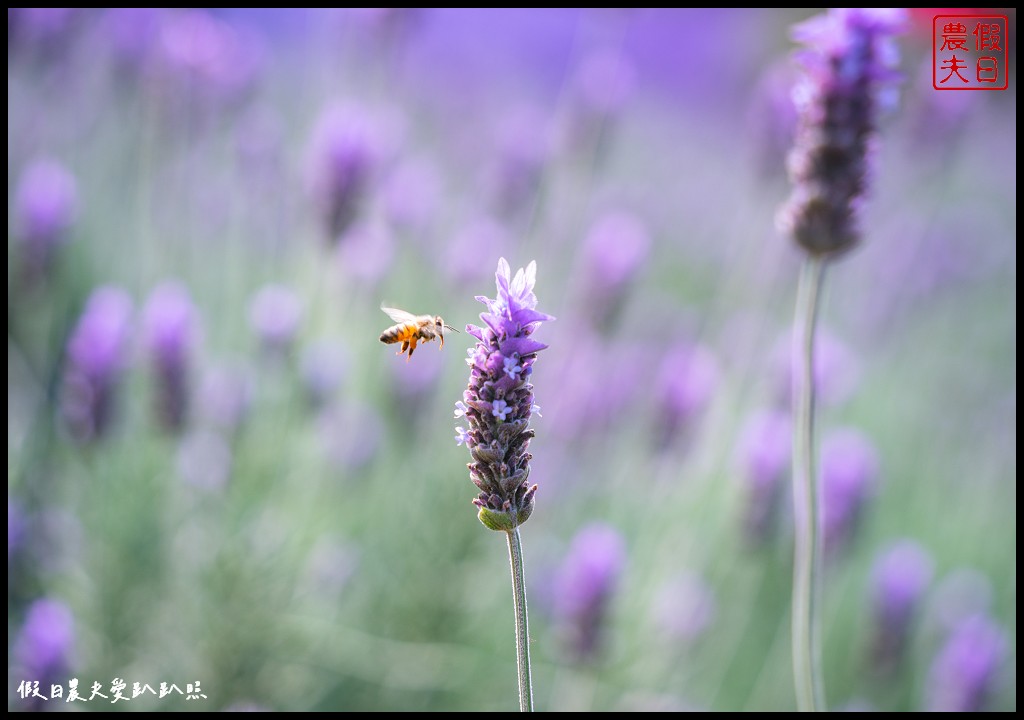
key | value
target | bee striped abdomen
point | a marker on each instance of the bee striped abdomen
(399, 333)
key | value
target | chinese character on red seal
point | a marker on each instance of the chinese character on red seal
(969, 52)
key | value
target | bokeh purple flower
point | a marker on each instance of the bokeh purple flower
(605, 82)
(525, 145)
(132, 33)
(962, 592)
(586, 585)
(15, 529)
(472, 247)
(350, 434)
(323, 366)
(45, 29)
(602, 87)
(171, 335)
(848, 78)
(42, 650)
(345, 152)
(45, 207)
(412, 193)
(275, 314)
(614, 252)
(686, 381)
(899, 579)
(204, 460)
(836, 371)
(965, 673)
(498, 404)
(763, 454)
(849, 473)
(366, 253)
(206, 58)
(97, 355)
(685, 607)
(225, 396)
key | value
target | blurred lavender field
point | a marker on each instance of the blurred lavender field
(217, 474)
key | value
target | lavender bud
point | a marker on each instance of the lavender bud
(615, 251)
(96, 359)
(275, 314)
(45, 207)
(964, 673)
(499, 401)
(848, 66)
(586, 584)
(764, 453)
(899, 580)
(171, 333)
(344, 157)
(849, 471)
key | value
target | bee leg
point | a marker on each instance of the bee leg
(405, 346)
(412, 349)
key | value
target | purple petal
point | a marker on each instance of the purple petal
(521, 345)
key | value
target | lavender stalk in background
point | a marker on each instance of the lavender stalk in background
(898, 582)
(323, 367)
(603, 86)
(615, 251)
(343, 161)
(586, 585)
(687, 380)
(15, 529)
(964, 674)
(525, 147)
(275, 314)
(171, 334)
(685, 607)
(97, 355)
(764, 454)
(847, 65)
(44, 210)
(225, 397)
(849, 472)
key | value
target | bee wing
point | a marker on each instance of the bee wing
(399, 316)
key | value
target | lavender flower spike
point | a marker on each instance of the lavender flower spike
(499, 399)
(848, 69)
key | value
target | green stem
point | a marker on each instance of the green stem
(806, 621)
(515, 557)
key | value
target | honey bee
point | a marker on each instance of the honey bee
(410, 329)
